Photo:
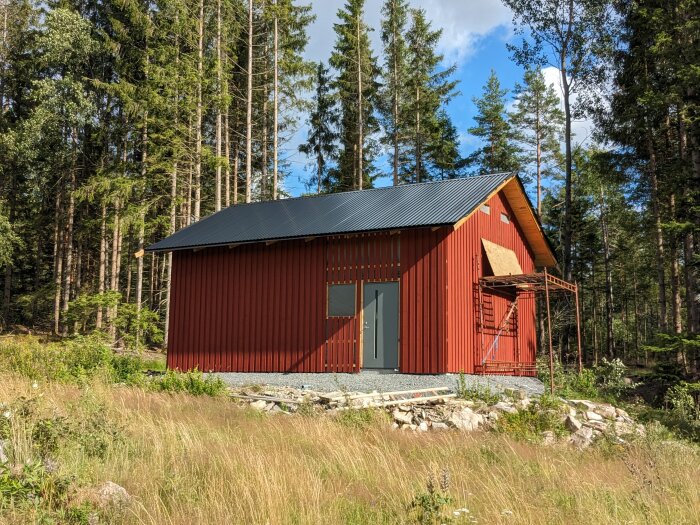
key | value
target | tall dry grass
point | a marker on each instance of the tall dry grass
(190, 460)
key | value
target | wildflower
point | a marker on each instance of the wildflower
(7, 414)
(35, 385)
(507, 512)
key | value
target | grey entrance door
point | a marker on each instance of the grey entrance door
(380, 342)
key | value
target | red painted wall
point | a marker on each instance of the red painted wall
(263, 308)
(466, 263)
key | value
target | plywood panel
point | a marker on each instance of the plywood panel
(502, 260)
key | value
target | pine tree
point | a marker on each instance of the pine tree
(429, 90)
(395, 91)
(357, 90)
(538, 123)
(320, 145)
(499, 152)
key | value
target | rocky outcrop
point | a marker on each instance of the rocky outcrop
(580, 421)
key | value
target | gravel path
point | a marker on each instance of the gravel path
(383, 382)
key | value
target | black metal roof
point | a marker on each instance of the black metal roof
(396, 207)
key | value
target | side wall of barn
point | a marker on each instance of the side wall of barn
(259, 307)
(250, 308)
(467, 340)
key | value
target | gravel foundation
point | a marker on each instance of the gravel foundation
(368, 381)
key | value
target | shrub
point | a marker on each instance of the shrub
(193, 382)
(611, 376)
(73, 360)
(543, 414)
(476, 392)
(679, 398)
(361, 418)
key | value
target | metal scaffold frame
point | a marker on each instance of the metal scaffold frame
(535, 283)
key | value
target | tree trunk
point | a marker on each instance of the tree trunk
(219, 80)
(58, 262)
(610, 342)
(395, 109)
(102, 269)
(566, 234)
(227, 161)
(275, 109)
(68, 273)
(658, 233)
(360, 123)
(418, 152)
(249, 109)
(115, 266)
(198, 117)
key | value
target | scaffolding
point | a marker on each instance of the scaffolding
(517, 286)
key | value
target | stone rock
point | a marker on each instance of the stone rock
(582, 438)
(622, 428)
(622, 413)
(523, 404)
(571, 423)
(607, 411)
(583, 404)
(593, 416)
(508, 408)
(439, 425)
(3, 456)
(402, 417)
(112, 495)
(600, 426)
(423, 427)
(640, 430)
(466, 419)
(260, 404)
(394, 426)
(549, 438)
(493, 415)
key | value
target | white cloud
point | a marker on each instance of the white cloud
(464, 23)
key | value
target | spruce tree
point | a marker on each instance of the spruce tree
(320, 145)
(429, 89)
(538, 124)
(395, 91)
(357, 91)
(499, 152)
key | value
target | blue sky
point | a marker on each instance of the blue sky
(475, 34)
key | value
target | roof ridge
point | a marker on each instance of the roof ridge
(409, 184)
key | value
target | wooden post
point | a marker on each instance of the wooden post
(549, 332)
(578, 330)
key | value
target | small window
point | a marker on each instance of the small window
(505, 218)
(341, 300)
(486, 209)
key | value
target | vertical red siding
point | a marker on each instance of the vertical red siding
(251, 308)
(423, 280)
(465, 266)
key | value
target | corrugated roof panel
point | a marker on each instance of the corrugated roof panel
(395, 207)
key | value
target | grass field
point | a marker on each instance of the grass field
(192, 460)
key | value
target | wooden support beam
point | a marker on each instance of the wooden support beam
(309, 239)
(232, 246)
(268, 243)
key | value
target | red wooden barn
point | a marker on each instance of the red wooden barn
(382, 278)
